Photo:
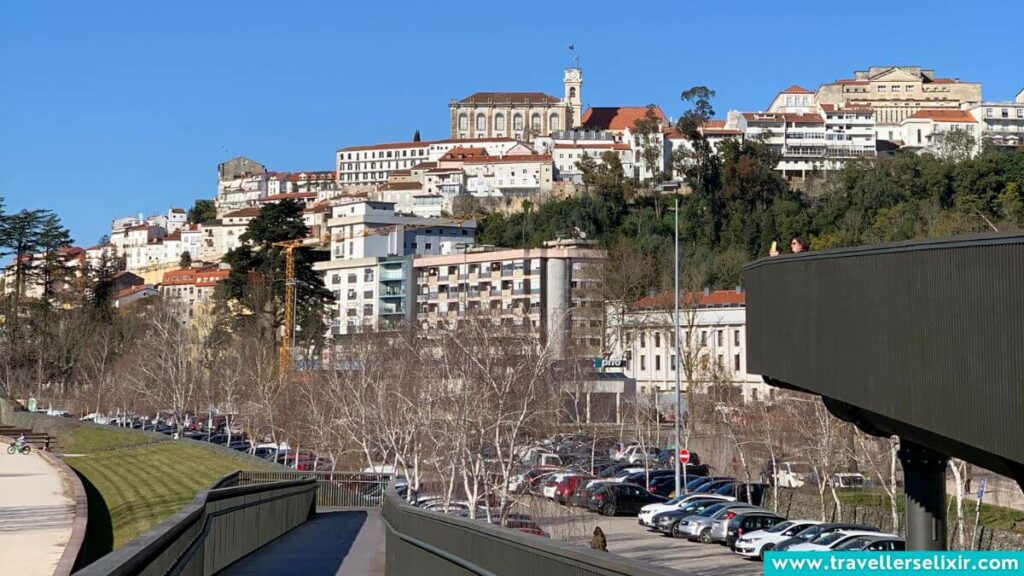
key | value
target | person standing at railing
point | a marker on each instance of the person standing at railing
(797, 245)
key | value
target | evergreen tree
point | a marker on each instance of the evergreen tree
(186, 260)
(202, 212)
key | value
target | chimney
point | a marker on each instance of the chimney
(707, 290)
(739, 289)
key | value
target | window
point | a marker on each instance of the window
(572, 92)
(736, 362)
(643, 340)
(672, 362)
(499, 122)
(657, 362)
(909, 88)
(553, 123)
(881, 89)
(657, 339)
(352, 278)
(463, 122)
(721, 361)
(988, 112)
(1005, 113)
(735, 337)
(535, 121)
(703, 338)
(896, 88)
(517, 122)
(718, 337)
(1020, 112)
(643, 362)
(481, 122)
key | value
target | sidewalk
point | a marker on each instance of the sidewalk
(36, 512)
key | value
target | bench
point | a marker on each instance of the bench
(34, 439)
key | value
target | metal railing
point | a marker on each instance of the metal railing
(426, 543)
(220, 526)
(333, 489)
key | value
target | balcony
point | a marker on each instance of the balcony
(392, 275)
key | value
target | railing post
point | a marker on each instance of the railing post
(924, 483)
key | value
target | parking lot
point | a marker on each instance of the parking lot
(629, 539)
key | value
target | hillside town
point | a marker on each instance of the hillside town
(395, 245)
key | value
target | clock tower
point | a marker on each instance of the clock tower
(573, 99)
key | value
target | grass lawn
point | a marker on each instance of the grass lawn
(995, 517)
(134, 481)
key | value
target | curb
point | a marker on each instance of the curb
(68, 559)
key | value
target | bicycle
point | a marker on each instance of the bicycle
(24, 449)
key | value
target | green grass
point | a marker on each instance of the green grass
(995, 517)
(134, 481)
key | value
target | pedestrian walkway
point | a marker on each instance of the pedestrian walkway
(36, 513)
(337, 543)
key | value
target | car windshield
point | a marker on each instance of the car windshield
(827, 539)
(854, 544)
(695, 482)
(810, 532)
(779, 527)
(712, 509)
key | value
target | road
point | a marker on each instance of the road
(36, 513)
(629, 539)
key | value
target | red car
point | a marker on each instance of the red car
(568, 485)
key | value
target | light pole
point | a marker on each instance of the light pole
(675, 328)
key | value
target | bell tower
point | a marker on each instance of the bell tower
(573, 98)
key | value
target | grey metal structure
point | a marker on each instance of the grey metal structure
(217, 528)
(924, 340)
(333, 489)
(426, 543)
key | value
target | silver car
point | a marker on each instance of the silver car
(720, 524)
(698, 526)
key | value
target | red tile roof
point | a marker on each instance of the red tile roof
(794, 89)
(176, 235)
(513, 97)
(464, 153)
(471, 140)
(716, 299)
(617, 117)
(424, 166)
(131, 290)
(943, 115)
(401, 186)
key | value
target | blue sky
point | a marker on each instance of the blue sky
(117, 108)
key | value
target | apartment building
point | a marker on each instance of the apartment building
(549, 289)
(190, 291)
(621, 121)
(240, 183)
(368, 166)
(896, 93)
(926, 130)
(568, 147)
(642, 340)
(370, 268)
(1002, 123)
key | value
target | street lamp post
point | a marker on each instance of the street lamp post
(675, 328)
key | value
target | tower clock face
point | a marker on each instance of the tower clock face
(573, 75)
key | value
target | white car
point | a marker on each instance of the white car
(619, 450)
(755, 544)
(636, 454)
(830, 540)
(647, 513)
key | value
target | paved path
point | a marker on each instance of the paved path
(330, 544)
(36, 512)
(629, 539)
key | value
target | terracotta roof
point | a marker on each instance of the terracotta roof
(250, 212)
(424, 166)
(176, 235)
(804, 118)
(513, 97)
(853, 109)
(716, 299)
(195, 276)
(131, 290)
(718, 127)
(103, 246)
(943, 115)
(177, 210)
(318, 208)
(617, 117)
(783, 117)
(794, 89)
(312, 175)
(402, 172)
(423, 144)
(510, 159)
(71, 251)
(287, 195)
(464, 153)
(471, 140)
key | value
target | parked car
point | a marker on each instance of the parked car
(698, 526)
(747, 522)
(646, 515)
(755, 544)
(520, 484)
(637, 454)
(667, 522)
(584, 490)
(547, 489)
(849, 480)
(567, 487)
(615, 499)
(830, 540)
(712, 486)
(868, 542)
(752, 493)
(720, 525)
(618, 450)
(788, 474)
(812, 532)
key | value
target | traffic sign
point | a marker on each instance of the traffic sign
(684, 455)
(981, 489)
